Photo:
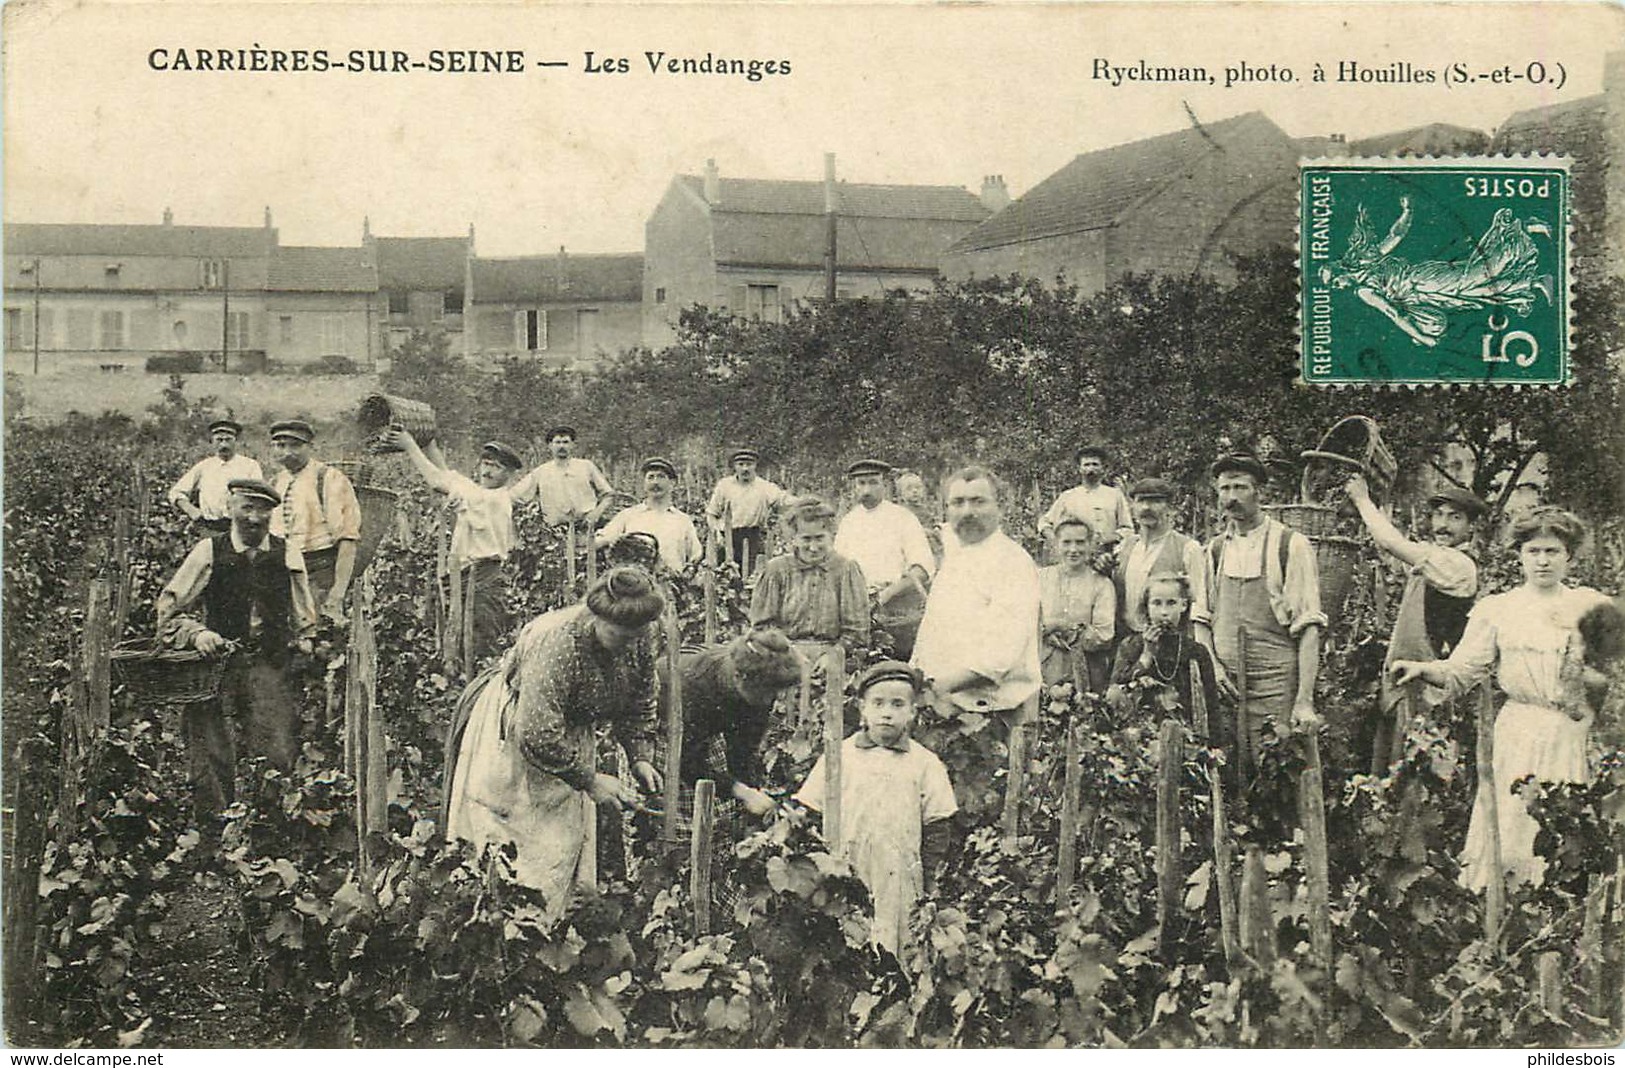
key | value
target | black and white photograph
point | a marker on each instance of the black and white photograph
(654, 526)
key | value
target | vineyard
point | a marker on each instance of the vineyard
(1113, 883)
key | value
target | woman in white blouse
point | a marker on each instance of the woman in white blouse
(1528, 637)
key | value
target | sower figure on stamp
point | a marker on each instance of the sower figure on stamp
(1441, 582)
(319, 517)
(484, 534)
(1267, 621)
(251, 603)
(742, 504)
(568, 488)
(888, 543)
(202, 492)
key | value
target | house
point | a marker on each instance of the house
(113, 296)
(321, 306)
(568, 309)
(1180, 203)
(422, 281)
(756, 246)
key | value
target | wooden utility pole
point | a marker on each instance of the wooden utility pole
(829, 220)
(225, 314)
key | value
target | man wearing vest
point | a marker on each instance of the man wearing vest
(201, 493)
(1267, 621)
(250, 610)
(1441, 582)
(1157, 548)
(320, 518)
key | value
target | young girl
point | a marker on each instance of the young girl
(1153, 670)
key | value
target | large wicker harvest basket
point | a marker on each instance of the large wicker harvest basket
(379, 411)
(161, 676)
(1335, 552)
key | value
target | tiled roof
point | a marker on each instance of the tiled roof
(758, 196)
(1555, 128)
(557, 279)
(420, 263)
(798, 241)
(100, 239)
(306, 269)
(1097, 188)
(1436, 139)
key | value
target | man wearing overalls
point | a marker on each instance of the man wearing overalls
(1267, 621)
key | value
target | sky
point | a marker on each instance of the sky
(932, 94)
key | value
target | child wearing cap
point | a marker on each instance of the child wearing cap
(202, 492)
(896, 801)
(484, 534)
(657, 516)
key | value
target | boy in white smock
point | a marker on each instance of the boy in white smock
(896, 801)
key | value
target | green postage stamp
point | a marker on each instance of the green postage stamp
(1434, 271)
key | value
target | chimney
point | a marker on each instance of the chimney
(169, 217)
(995, 196)
(713, 182)
(1338, 146)
(471, 239)
(559, 271)
(366, 229)
(267, 216)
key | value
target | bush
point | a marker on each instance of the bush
(172, 363)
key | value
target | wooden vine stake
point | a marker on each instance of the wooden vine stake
(1072, 786)
(1257, 923)
(443, 611)
(674, 727)
(834, 735)
(1591, 944)
(365, 756)
(709, 586)
(1488, 796)
(1170, 853)
(469, 613)
(452, 636)
(699, 854)
(570, 557)
(1223, 849)
(1016, 781)
(1312, 817)
(98, 662)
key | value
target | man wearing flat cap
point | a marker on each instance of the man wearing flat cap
(319, 516)
(658, 517)
(1441, 582)
(201, 493)
(887, 542)
(1100, 505)
(569, 488)
(484, 533)
(741, 506)
(1157, 548)
(1267, 621)
(252, 602)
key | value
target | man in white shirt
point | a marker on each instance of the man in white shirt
(202, 492)
(484, 534)
(568, 487)
(889, 545)
(658, 517)
(1091, 500)
(978, 642)
(320, 517)
(743, 504)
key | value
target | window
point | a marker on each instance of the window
(762, 302)
(237, 331)
(660, 294)
(285, 329)
(452, 302)
(399, 303)
(19, 328)
(530, 327)
(110, 273)
(213, 273)
(333, 335)
(112, 330)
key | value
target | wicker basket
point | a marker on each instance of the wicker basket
(166, 676)
(380, 411)
(1336, 552)
(378, 507)
(1356, 443)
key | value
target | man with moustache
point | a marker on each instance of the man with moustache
(202, 492)
(569, 488)
(888, 543)
(742, 503)
(978, 642)
(320, 517)
(1091, 500)
(1156, 548)
(1266, 598)
(251, 606)
(1441, 582)
(658, 517)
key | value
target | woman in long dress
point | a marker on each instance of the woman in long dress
(1528, 637)
(522, 752)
